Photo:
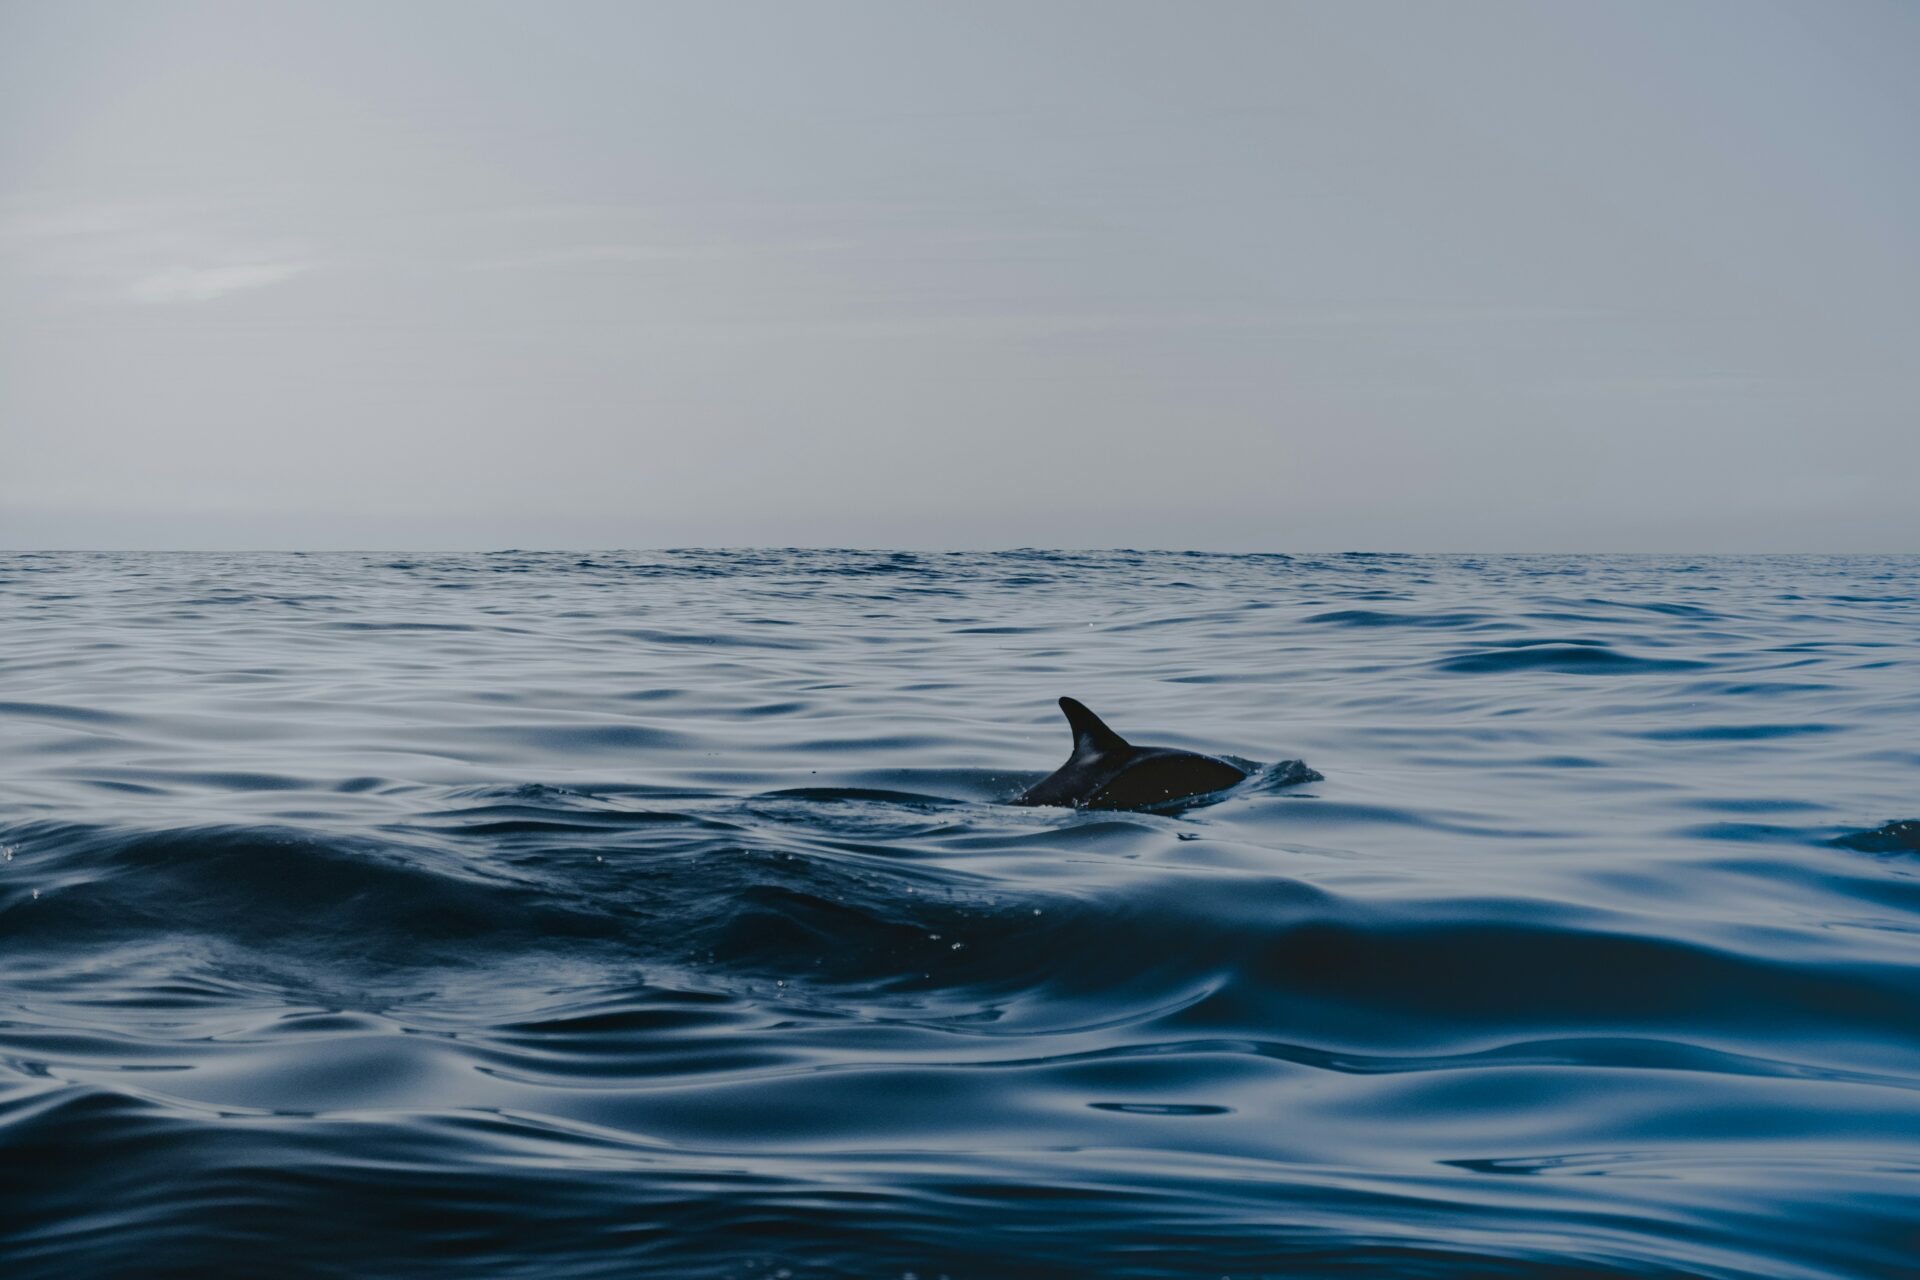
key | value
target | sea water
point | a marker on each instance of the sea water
(662, 914)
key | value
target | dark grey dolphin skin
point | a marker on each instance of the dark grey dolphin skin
(1106, 771)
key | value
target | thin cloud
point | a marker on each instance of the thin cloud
(153, 253)
(184, 284)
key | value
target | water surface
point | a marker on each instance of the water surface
(626, 914)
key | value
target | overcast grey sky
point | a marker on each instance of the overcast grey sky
(1194, 273)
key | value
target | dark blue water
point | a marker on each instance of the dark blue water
(614, 915)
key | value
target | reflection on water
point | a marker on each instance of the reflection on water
(549, 915)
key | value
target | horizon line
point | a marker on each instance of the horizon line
(740, 548)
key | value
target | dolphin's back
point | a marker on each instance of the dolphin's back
(1160, 775)
(1106, 771)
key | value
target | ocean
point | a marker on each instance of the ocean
(663, 914)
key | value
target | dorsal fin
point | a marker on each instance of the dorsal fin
(1090, 736)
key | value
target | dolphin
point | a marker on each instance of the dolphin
(1106, 771)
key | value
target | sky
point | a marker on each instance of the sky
(1641, 275)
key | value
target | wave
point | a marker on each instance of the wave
(1901, 836)
(1570, 657)
(274, 888)
(1215, 954)
(541, 1198)
(1387, 618)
